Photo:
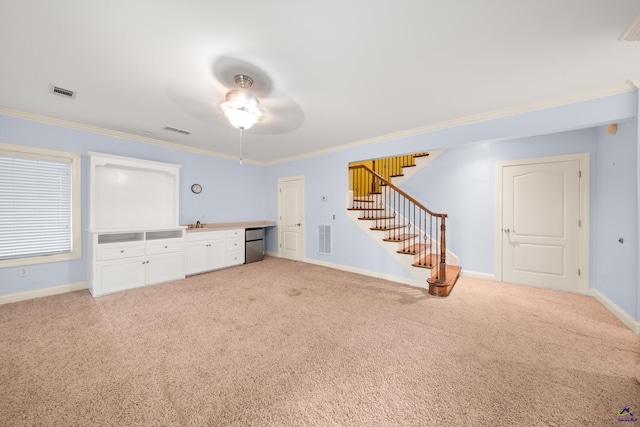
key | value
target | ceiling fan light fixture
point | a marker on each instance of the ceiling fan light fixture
(241, 118)
(241, 107)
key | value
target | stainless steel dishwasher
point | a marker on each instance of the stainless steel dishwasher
(253, 245)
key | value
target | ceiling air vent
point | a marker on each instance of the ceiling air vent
(66, 93)
(176, 130)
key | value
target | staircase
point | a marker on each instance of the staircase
(394, 217)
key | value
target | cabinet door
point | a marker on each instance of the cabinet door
(117, 275)
(217, 254)
(197, 256)
(164, 268)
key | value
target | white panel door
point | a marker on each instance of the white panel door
(540, 220)
(291, 215)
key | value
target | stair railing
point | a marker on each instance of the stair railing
(404, 219)
(392, 166)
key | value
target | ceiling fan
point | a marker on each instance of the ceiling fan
(241, 107)
(235, 94)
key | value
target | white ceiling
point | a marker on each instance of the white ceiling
(347, 70)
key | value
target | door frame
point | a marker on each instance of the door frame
(583, 245)
(280, 225)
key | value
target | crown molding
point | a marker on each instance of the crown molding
(629, 86)
(115, 134)
(635, 82)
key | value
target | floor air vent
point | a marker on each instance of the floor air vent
(324, 239)
(66, 93)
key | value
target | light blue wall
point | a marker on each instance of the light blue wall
(232, 192)
(461, 183)
(614, 266)
(327, 175)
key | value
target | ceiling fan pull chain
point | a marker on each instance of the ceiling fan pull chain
(240, 145)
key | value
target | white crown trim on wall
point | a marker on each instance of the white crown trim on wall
(630, 86)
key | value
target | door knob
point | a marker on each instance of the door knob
(298, 224)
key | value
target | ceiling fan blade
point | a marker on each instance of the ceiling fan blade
(281, 115)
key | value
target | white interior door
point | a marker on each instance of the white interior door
(541, 224)
(291, 214)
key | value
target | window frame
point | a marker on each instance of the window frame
(29, 152)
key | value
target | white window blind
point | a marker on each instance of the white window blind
(35, 207)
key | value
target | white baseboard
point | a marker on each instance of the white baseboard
(38, 293)
(273, 254)
(404, 280)
(478, 275)
(622, 315)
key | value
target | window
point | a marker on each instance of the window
(39, 205)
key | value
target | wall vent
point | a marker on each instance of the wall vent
(176, 130)
(65, 93)
(324, 239)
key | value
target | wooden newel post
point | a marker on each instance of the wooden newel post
(442, 268)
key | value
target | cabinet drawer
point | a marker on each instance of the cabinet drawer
(235, 244)
(119, 251)
(194, 236)
(165, 246)
(236, 233)
(235, 258)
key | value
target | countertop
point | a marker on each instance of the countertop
(230, 226)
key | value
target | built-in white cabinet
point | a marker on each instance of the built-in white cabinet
(129, 260)
(134, 238)
(211, 250)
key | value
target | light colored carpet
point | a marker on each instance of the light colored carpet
(286, 343)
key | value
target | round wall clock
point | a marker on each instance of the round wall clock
(196, 188)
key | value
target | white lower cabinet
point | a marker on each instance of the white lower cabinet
(235, 247)
(212, 250)
(120, 261)
(114, 276)
(205, 251)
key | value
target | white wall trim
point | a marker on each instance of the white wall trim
(403, 280)
(478, 275)
(115, 134)
(626, 87)
(629, 86)
(39, 293)
(622, 315)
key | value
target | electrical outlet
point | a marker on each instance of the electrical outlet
(23, 272)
